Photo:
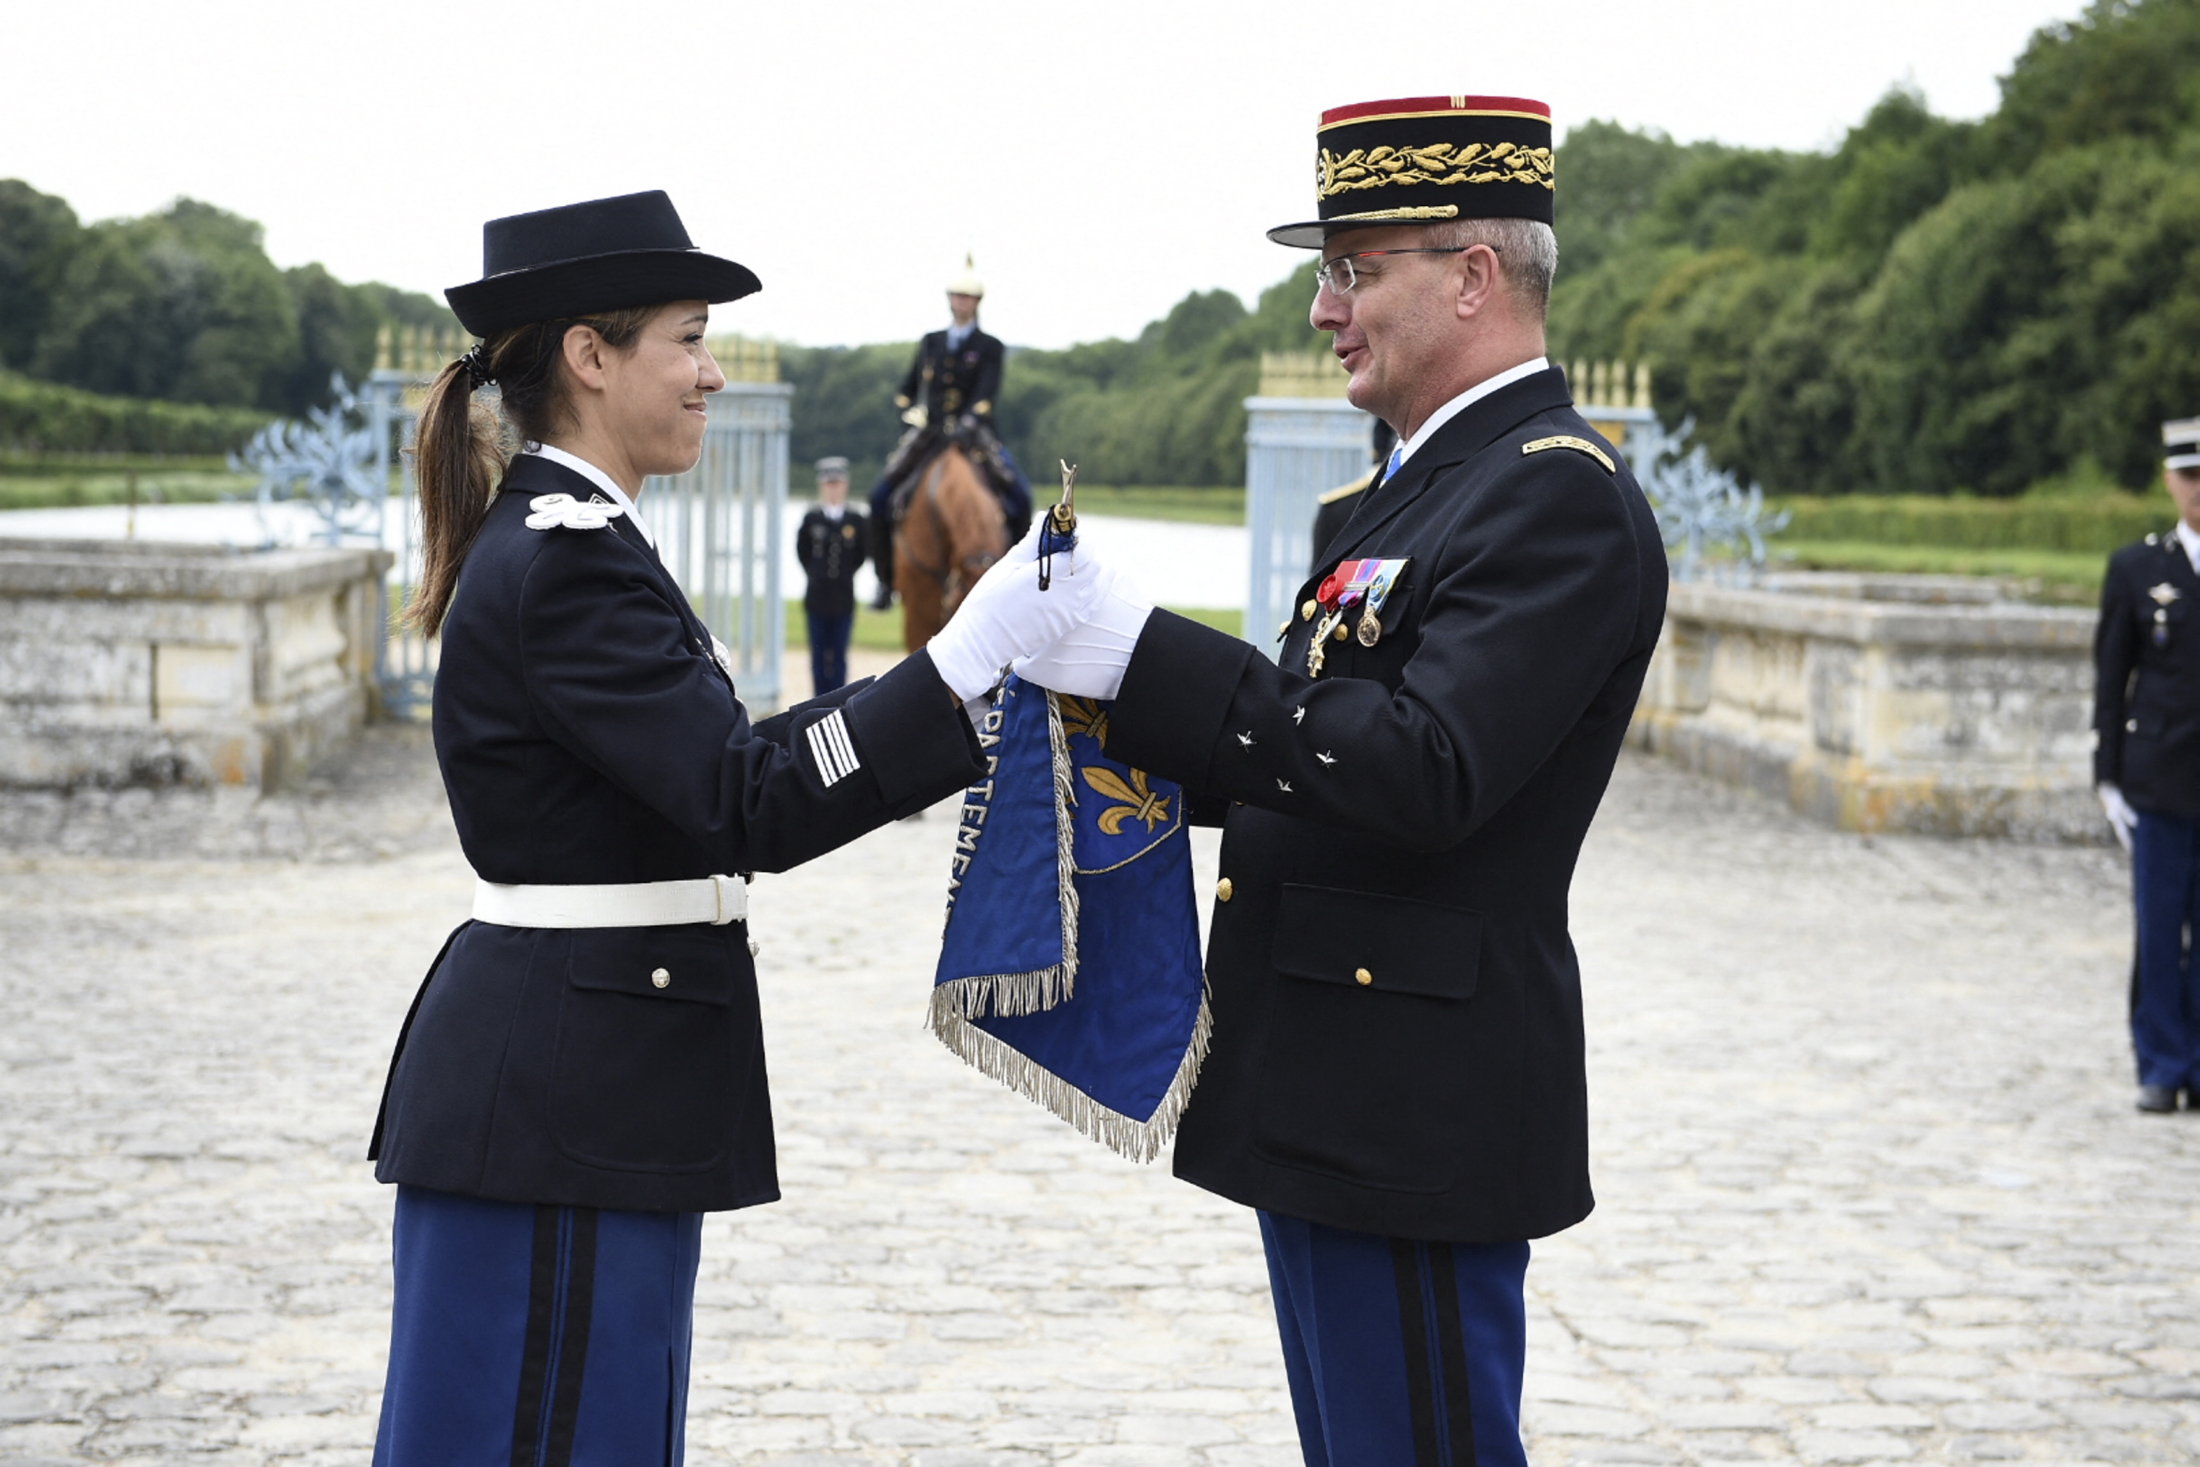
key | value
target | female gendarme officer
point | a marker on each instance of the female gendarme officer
(582, 1074)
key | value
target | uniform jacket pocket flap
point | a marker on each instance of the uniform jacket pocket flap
(1384, 943)
(684, 964)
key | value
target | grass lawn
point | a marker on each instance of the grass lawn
(1217, 506)
(2071, 577)
(881, 630)
(56, 485)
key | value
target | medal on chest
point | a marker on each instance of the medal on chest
(2164, 596)
(1364, 584)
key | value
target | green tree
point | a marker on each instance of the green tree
(182, 304)
(2125, 69)
(1890, 169)
(37, 233)
(1961, 359)
(844, 406)
(2129, 303)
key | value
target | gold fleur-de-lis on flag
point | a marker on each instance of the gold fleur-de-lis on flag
(1084, 716)
(1139, 800)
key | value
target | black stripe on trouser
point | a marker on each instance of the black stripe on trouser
(560, 1298)
(1435, 1353)
(1451, 1336)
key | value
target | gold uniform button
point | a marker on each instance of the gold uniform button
(1362, 977)
(661, 978)
(1223, 889)
(1306, 612)
(1341, 632)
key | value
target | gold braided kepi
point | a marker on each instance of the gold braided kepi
(1422, 160)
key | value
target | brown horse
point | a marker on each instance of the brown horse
(947, 532)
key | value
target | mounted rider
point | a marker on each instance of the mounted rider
(948, 397)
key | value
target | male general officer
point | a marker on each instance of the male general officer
(1396, 1078)
(2146, 766)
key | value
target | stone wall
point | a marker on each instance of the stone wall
(1909, 703)
(123, 662)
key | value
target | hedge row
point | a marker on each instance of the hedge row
(42, 418)
(2096, 525)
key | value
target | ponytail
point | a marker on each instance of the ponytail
(457, 459)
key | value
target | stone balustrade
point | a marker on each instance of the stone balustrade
(123, 662)
(1908, 703)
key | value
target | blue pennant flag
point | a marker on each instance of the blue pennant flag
(1070, 971)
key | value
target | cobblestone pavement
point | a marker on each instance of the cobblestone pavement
(1872, 1186)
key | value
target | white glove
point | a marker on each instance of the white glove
(1007, 616)
(2121, 817)
(914, 415)
(1087, 661)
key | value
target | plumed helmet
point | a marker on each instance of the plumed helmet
(967, 283)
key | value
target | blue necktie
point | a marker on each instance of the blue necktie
(1390, 465)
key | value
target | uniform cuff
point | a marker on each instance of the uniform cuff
(1176, 694)
(918, 745)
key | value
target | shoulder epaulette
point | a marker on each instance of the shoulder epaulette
(1578, 445)
(1346, 491)
(563, 511)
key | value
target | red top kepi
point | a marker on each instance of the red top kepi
(1417, 160)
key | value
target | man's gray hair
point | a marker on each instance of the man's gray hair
(1527, 248)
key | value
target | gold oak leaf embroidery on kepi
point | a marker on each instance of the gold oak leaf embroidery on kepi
(1442, 163)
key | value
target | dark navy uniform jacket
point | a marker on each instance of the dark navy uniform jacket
(2146, 689)
(952, 381)
(830, 550)
(587, 735)
(1397, 1007)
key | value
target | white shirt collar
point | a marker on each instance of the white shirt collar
(2188, 537)
(1467, 399)
(596, 477)
(834, 511)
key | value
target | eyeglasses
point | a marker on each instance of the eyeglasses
(1340, 275)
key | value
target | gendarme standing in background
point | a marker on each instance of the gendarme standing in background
(1396, 1080)
(2146, 764)
(830, 543)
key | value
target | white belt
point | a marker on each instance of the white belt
(713, 899)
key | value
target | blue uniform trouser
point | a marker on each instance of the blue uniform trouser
(1399, 1353)
(526, 1336)
(2165, 1012)
(829, 633)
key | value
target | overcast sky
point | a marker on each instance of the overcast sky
(1100, 160)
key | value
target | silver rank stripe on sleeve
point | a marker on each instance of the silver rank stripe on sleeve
(831, 749)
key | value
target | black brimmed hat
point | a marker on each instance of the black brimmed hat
(1423, 160)
(604, 255)
(2181, 443)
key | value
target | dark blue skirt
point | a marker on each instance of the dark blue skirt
(527, 1336)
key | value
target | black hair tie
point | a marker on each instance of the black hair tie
(476, 368)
